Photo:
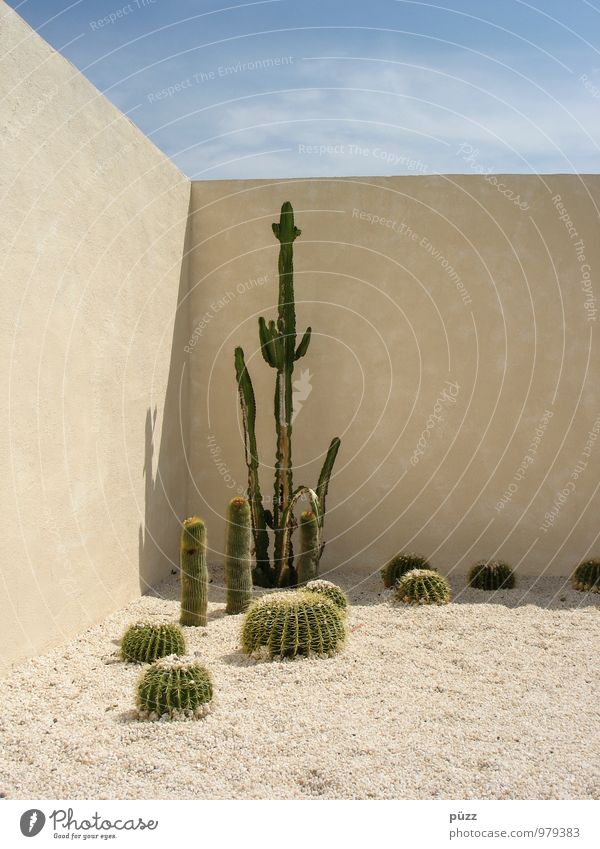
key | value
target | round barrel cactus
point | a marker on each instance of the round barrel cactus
(423, 586)
(287, 624)
(400, 565)
(492, 575)
(330, 591)
(586, 577)
(176, 688)
(146, 642)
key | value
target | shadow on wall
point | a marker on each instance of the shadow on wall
(165, 490)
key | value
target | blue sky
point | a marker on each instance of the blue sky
(327, 87)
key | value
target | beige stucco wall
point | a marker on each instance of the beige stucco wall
(91, 242)
(457, 301)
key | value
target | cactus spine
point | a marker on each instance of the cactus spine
(145, 642)
(280, 352)
(291, 624)
(308, 558)
(174, 687)
(586, 577)
(491, 575)
(423, 586)
(194, 572)
(238, 558)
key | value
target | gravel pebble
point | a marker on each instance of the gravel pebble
(492, 696)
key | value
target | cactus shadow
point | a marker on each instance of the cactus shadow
(165, 468)
(237, 658)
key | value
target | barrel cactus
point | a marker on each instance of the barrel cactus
(330, 591)
(423, 586)
(492, 575)
(586, 577)
(238, 556)
(287, 624)
(176, 688)
(146, 642)
(194, 572)
(400, 565)
(307, 565)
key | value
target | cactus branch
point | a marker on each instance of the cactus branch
(262, 571)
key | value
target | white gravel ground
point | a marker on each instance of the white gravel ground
(472, 700)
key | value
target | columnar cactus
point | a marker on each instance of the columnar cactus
(491, 575)
(287, 624)
(194, 572)
(423, 586)
(174, 687)
(330, 591)
(586, 577)
(145, 642)
(307, 564)
(238, 557)
(279, 349)
(400, 565)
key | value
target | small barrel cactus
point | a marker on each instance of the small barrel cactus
(146, 642)
(238, 556)
(286, 624)
(423, 586)
(400, 565)
(586, 577)
(307, 565)
(194, 572)
(492, 575)
(330, 591)
(174, 687)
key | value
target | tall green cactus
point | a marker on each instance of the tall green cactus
(238, 558)
(194, 572)
(280, 351)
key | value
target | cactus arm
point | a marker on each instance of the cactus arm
(303, 346)
(323, 484)
(288, 572)
(263, 573)
(307, 564)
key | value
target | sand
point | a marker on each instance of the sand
(494, 696)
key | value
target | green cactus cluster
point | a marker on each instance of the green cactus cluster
(145, 642)
(294, 623)
(400, 565)
(280, 350)
(423, 586)
(586, 577)
(193, 572)
(491, 575)
(238, 556)
(330, 591)
(176, 688)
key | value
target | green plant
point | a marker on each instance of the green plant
(193, 572)
(280, 351)
(307, 564)
(145, 642)
(491, 575)
(330, 591)
(400, 565)
(287, 624)
(174, 687)
(238, 556)
(423, 586)
(586, 577)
